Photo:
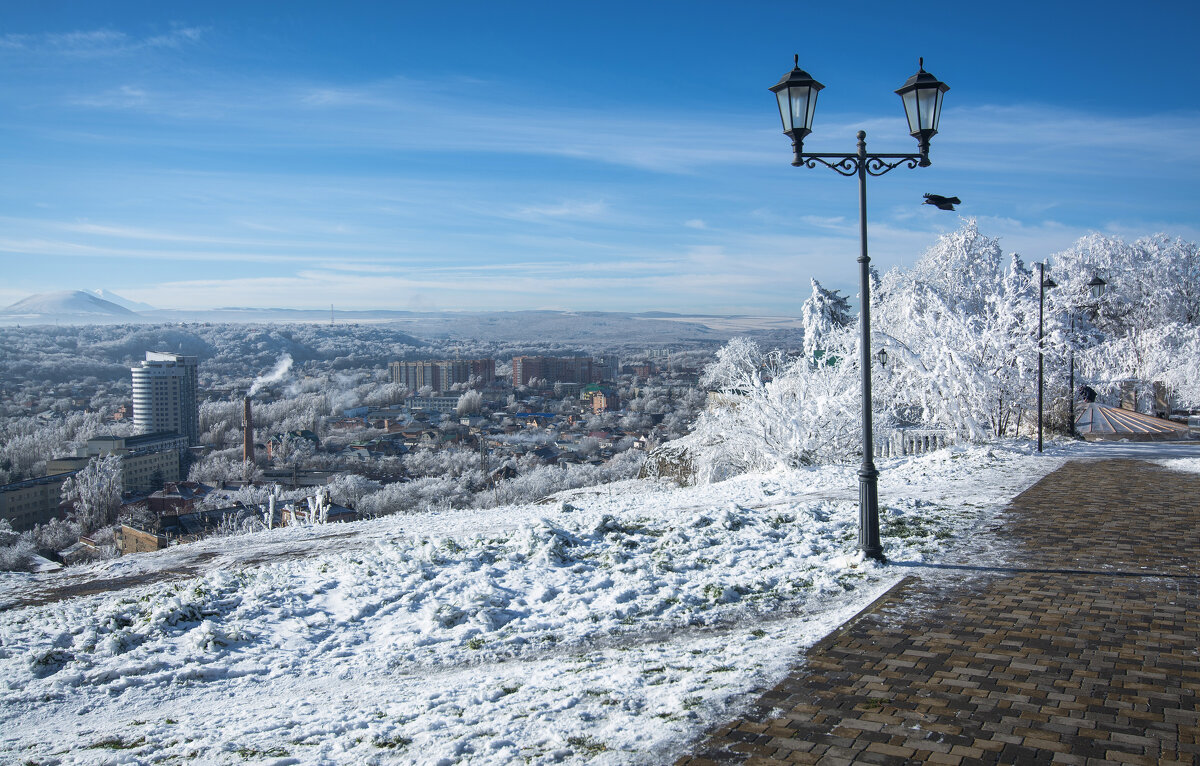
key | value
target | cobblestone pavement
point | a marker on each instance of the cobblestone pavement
(1084, 647)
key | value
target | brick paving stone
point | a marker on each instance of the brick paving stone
(1081, 649)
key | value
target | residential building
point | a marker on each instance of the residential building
(601, 398)
(33, 501)
(147, 461)
(606, 367)
(164, 395)
(178, 497)
(442, 374)
(442, 404)
(552, 369)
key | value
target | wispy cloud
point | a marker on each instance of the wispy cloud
(123, 97)
(572, 209)
(97, 42)
(406, 115)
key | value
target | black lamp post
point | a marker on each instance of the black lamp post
(1044, 283)
(1096, 289)
(922, 97)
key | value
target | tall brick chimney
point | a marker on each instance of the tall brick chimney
(247, 432)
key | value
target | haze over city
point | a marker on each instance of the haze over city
(542, 155)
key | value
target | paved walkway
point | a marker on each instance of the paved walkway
(1086, 650)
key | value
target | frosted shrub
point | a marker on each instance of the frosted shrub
(773, 410)
(17, 555)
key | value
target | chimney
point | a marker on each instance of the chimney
(247, 432)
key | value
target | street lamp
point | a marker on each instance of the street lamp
(1044, 283)
(1096, 289)
(922, 97)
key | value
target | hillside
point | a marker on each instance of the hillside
(612, 625)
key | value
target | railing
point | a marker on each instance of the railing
(895, 442)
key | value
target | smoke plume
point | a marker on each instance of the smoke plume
(278, 373)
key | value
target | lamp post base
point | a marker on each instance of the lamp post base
(868, 513)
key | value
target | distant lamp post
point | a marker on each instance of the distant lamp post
(921, 94)
(882, 356)
(1096, 288)
(1044, 283)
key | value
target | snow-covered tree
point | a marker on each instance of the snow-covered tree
(962, 348)
(469, 402)
(824, 315)
(1141, 329)
(94, 493)
(349, 488)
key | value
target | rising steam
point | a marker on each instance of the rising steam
(278, 373)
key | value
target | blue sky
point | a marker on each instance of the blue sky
(615, 156)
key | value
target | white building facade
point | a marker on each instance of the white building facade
(164, 395)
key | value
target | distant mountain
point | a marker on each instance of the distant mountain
(582, 329)
(70, 305)
(112, 297)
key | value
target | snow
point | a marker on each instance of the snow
(1187, 465)
(68, 302)
(112, 297)
(613, 624)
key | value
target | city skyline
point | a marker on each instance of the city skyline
(473, 156)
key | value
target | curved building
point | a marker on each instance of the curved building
(164, 395)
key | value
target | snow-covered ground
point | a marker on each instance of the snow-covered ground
(612, 625)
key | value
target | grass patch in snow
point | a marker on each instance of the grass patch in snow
(116, 743)
(254, 752)
(587, 745)
(394, 742)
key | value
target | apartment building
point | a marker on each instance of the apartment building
(164, 395)
(442, 374)
(147, 461)
(34, 501)
(552, 369)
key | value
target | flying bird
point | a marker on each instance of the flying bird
(940, 202)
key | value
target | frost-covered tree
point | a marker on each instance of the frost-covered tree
(349, 488)
(825, 314)
(94, 494)
(960, 330)
(223, 467)
(1143, 328)
(962, 348)
(469, 402)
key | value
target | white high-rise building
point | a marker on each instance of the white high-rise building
(164, 395)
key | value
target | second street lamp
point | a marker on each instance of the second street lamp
(1044, 283)
(922, 95)
(1096, 289)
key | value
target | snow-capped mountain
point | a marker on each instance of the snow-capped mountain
(68, 304)
(112, 297)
